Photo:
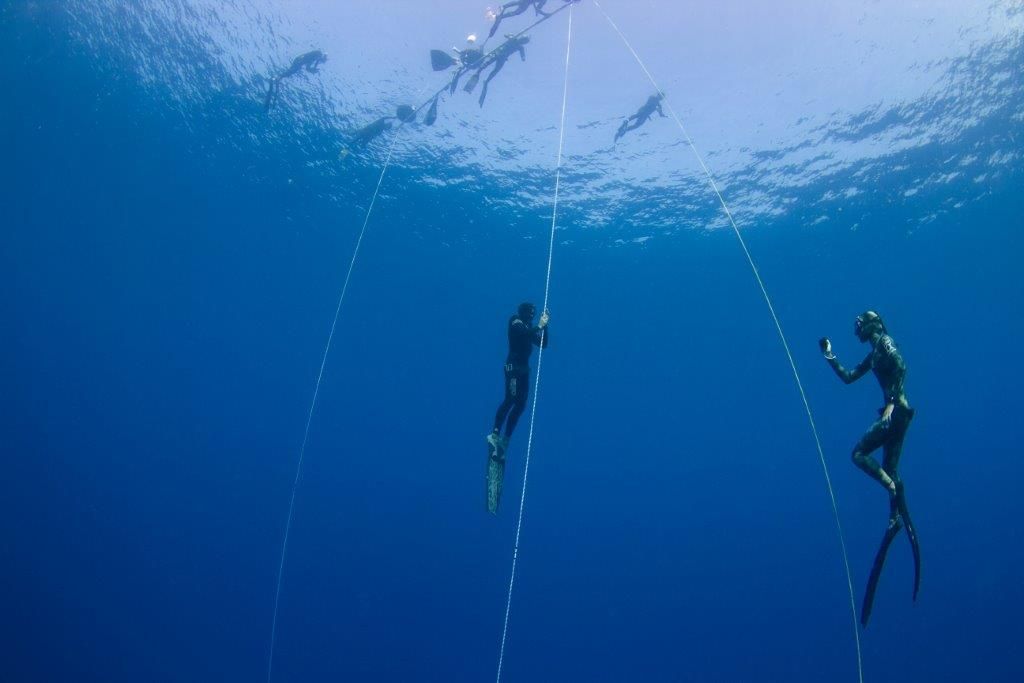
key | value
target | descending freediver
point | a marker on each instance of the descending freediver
(653, 104)
(310, 62)
(888, 433)
(497, 58)
(514, 9)
(369, 132)
(522, 337)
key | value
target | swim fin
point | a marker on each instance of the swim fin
(441, 60)
(431, 116)
(876, 569)
(915, 548)
(495, 471)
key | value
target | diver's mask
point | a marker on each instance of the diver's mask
(867, 324)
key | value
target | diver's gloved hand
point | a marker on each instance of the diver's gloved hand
(544, 318)
(826, 347)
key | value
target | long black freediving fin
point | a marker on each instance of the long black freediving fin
(915, 548)
(876, 569)
(431, 116)
(441, 60)
(455, 81)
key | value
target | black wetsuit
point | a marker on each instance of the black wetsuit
(887, 364)
(653, 104)
(890, 370)
(521, 340)
(468, 58)
(367, 133)
(515, 8)
(309, 61)
(499, 59)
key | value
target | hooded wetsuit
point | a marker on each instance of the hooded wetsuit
(521, 340)
(890, 370)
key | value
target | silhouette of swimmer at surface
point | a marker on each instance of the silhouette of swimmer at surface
(366, 134)
(514, 9)
(465, 59)
(653, 104)
(498, 58)
(310, 62)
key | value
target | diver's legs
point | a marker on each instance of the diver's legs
(876, 436)
(632, 123)
(901, 418)
(494, 29)
(621, 131)
(505, 14)
(511, 386)
(498, 66)
(522, 389)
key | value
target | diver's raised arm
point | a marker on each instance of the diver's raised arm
(848, 376)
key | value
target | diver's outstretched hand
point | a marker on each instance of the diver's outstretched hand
(544, 318)
(825, 344)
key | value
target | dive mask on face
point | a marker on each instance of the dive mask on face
(866, 324)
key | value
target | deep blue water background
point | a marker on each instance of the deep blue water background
(165, 318)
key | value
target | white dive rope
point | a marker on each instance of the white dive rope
(778, 327)
(540, 354)
(312, 404)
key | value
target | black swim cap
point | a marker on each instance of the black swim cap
(527, 310)
(867, 324)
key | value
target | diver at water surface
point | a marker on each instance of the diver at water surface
(887, 433)
(498, 58)
(310, 62)
(465, 59)
(653, 104)
(514, 9)
(522, 337)
(370, 131)
(362, 137)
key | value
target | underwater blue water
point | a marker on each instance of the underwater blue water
(171, 256)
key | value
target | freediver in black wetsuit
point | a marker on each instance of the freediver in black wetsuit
(468, 58)
(888, 433)
(498, 58)
(522, 337)
(653, 104)
(310, 61)
(363, 136)
(514, 9)
(368, 132)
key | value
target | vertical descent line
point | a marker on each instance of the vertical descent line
(778, 328)
(312, 405)
(540, 354)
